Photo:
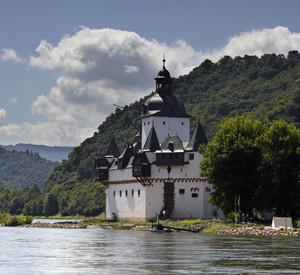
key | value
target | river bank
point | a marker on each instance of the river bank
(205, 228)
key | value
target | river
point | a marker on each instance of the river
(98, 251)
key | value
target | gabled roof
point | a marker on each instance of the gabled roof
(197, 138)
(127, 152)
(136, 147)
(140, 158)
(152, 143)
(113, 150)
(172, 144)
(101, 163)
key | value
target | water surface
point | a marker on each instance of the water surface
(97, 251)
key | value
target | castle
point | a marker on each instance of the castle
(158, 175)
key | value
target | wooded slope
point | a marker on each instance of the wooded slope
(266, 88)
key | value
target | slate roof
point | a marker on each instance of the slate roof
(197, 138)
(152, 143)
(172, 144)
(113, 150)
(141, 158)
(101, 162)
(127, 152)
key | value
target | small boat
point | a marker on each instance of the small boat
(160, 229)
(164, 230)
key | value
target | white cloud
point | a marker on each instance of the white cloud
(258, 42)
(2, 116)
(97, 68)
(10, 55)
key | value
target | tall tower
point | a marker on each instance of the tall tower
(164, 111)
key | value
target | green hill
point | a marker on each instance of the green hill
(23, 169)
(266, 87)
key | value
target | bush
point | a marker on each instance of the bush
(28, 219)
(14, 221)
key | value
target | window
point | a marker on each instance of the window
(148, 122)
(139, 193)
(132, 192)
(114, 193)
(144, 123)
(191, 156)
(164, 123)
(181, 191)
(120, 193)
(182, 123)
(194, 195)
(126, 193)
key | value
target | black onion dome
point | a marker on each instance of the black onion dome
(164, 104)
(163, 73)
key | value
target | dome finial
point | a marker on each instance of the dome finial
(164, 61)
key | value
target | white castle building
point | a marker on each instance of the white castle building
(159, 173)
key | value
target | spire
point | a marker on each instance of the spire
(152, 143)
(113, 150)
(197, 138)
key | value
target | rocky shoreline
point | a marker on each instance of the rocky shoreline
(242, 230)
(267, 231)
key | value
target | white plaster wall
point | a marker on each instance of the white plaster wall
(150, 201)
(172, 126)
(126, 207)
(120, 174)
(154, 200)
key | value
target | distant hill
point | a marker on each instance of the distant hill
(54, 153)
(23, 169)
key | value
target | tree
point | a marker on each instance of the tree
(258, 161)
(231, 162)
(280, 187)
(51, 204)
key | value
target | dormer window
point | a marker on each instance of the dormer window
(171, 146)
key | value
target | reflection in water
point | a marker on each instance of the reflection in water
(39, 250)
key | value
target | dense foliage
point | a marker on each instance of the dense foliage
(84, 199)
(259, 162)
(22, 169)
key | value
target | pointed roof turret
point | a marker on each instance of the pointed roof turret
(197, 138)
(113, 150)
(152, 143)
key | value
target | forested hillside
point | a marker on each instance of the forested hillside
(266, 87)
(23, 169)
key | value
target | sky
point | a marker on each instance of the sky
(65, 64)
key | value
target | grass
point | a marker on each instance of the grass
(215, 228)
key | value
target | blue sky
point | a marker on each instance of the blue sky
(63, 64)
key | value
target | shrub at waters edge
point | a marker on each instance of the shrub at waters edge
(10, 220)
